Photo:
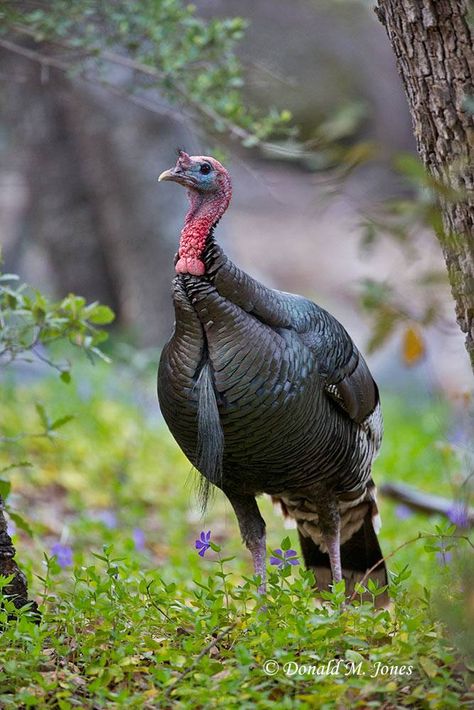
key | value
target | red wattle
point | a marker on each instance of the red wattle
(205, 210)
(190, 265)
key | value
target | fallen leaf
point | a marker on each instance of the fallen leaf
(413, 346)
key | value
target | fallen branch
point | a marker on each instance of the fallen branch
(425, 502)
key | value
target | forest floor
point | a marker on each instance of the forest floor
(133, 617)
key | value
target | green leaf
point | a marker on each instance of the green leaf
(411, 166)
(5, 487)
(383, 327)
(343, 122)
(43, 416)
(101, 315)
(286, 544)
(371, 586)
(65, 376)
(429, 666)
(5, 581)
(20, 522)
(354, 656)
(58, 423)
(227, 559)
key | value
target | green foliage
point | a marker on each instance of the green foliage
(190, 61)
(398, 306)
(114, 633)
(454, 604)
(132, 627)
(159, 54)
(28, 321)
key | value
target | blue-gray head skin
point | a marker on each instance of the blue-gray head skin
(209, 190)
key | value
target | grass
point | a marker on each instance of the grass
(139, 620)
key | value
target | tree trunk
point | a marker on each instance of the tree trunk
(17, 589)
(433, 47)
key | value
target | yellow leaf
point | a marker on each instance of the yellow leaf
(430, 668)
(413, 346)
(130, 661)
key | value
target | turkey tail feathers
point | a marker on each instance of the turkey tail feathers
(210, 437)
(359, 554)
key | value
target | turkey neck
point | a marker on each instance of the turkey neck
(204, 213)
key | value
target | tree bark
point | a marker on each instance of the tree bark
(17, 589)
(433, 46)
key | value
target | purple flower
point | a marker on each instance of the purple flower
(283, 559)
(458, 514)
(139, 539)
(403, 512)
(63, 554)
(204, 543)
(108, 518)
(444, 557)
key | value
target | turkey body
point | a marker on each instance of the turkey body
(265, 392)
(284, 427)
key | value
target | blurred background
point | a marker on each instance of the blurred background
(81, 210)
(329, 201)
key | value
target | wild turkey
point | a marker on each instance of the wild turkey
(265, 392)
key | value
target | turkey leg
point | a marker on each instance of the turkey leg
(252, 529)
(330, 525)
(333, 543)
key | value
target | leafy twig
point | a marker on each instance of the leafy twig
(200, 107)
(205, 650)
(420, 536)
(153, 603)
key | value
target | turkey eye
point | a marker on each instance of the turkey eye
(205, 169)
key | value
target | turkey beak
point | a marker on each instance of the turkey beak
(169, 175)
(179, 176)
